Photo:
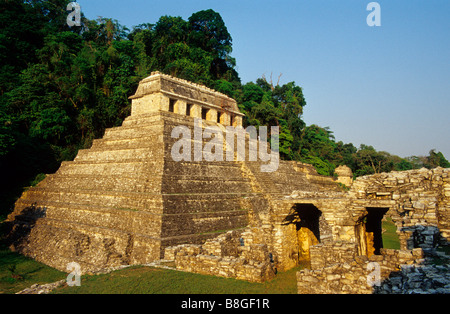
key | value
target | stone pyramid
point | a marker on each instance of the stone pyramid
(124, 200)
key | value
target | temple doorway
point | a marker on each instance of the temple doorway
(306, 218)
(369, 231)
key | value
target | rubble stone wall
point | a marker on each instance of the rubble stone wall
(227, 256)
(356, 276)
(414, 198)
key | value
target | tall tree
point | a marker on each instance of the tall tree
(437, 160)
(209, 33)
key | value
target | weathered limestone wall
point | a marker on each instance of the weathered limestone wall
(331, 225)
(414, 198)
(229, 255)
(323, 255)
(274, 220)
(351, 277)
(418, 203)
(345, 175)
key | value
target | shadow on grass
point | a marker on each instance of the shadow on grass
(18, 272)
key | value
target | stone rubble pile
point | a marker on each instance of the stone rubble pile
(399, 272)
(229, 255)
(43, 289)
(418, 279)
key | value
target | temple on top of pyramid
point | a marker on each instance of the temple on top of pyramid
(166, 93)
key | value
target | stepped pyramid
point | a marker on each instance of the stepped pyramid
(124, 200)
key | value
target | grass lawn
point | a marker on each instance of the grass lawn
(390, 236)
(149, 280)
(18, 272)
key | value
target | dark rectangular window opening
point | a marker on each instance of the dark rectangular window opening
(204, 112)
(233, 118)
(189, 109)
(374, 234)
(172, 105)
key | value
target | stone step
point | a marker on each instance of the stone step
(122, 200)
(131, 221)
(204, 203)
(225, 169)
(199, 184)
(139, 183)
(126, 167)
(147, 183)
(142, 119)
(196, 223)
(114, 141)
(133, 131)
(181, 203)
(119, 144)
(196, 238)
(168, 184)
(179, 222)
(114, 155)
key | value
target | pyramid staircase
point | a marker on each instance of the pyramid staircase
(124, 200)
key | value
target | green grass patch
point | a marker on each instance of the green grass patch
(149, 280)
(390, 236)
(18, 272)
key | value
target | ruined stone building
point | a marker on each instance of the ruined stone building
(126, 201)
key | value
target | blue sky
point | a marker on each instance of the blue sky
(386, 86)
